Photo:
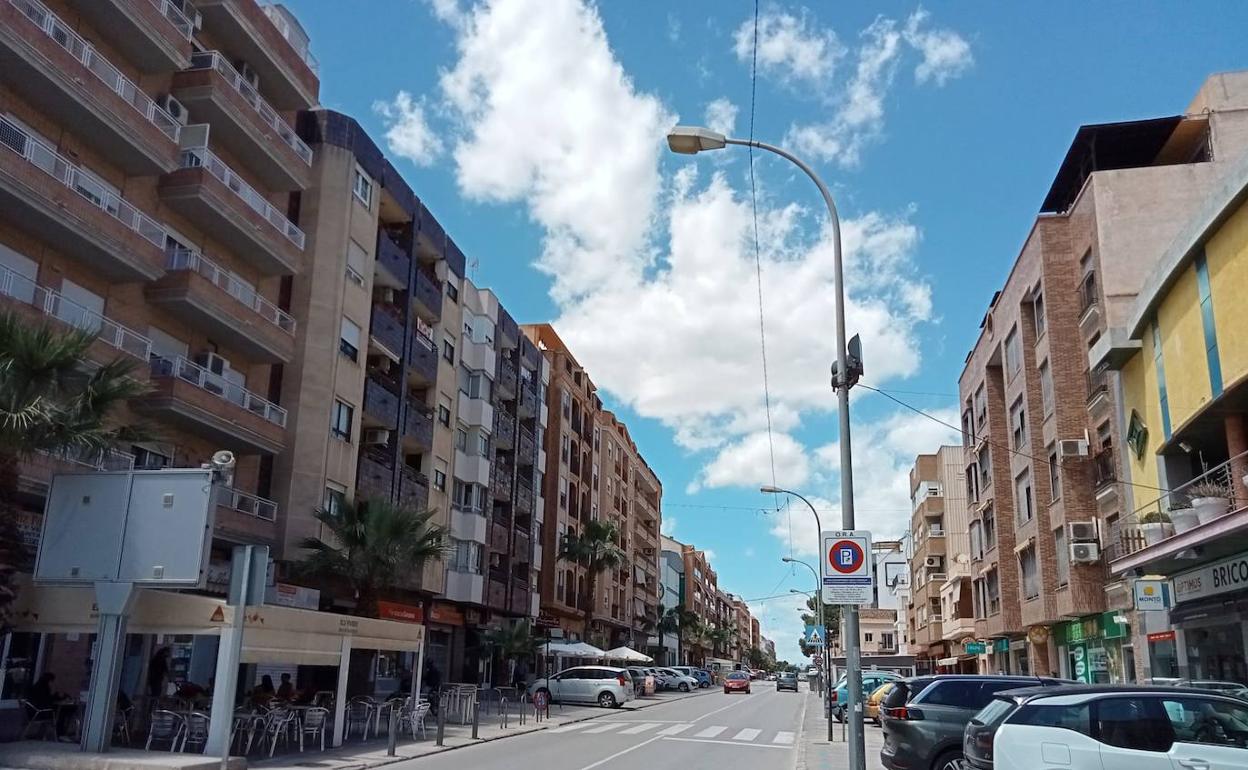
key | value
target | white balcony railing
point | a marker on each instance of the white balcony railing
(80, 181)
(17, 286)
(52, 26)
(108, 460)
(186, 259)
(202, 157)
(299, 43)
(252, 505)
(217, 385)
(173, 13)
(215, 61)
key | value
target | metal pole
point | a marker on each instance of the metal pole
(394, 732)
(853, 650)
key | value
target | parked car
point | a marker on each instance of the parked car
(737, 681)
(608, 686)
(644, 682)
(660, 679)
(1127, 726)
(925, 718)
(703, 676)
(786, 680)
(678, 681)
(870, 681)
(873, 702)
(1229, 689)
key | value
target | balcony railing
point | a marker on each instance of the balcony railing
(1098, 384)
(186, 259)
(202, 157)
(299, 45)
(83, 51)
(175, 16)
(1174, 512)
(213, 60)
(82, 182)
(1087, 293)
(252, 505)
(189, 371)
(1104, 472)
(108, 460)
(52, 304)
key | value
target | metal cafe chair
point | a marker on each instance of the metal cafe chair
(279, 725)
(314, 723)
(196, 731)
(165, 725)
(43, 718)
(359, 712)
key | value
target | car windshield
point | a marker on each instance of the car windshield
(737, 675)
(788, 675)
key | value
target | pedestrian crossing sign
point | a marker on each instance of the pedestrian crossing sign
(814, 636)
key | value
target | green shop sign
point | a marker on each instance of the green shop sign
(1000, 645)
(974, 648)
(1102, 626)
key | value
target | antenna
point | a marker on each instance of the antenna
(473, 264)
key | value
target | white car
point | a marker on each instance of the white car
(1115, 728)
(607, 686)
(679, 681)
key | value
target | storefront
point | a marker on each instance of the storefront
(1210, 620)
(1096, 649)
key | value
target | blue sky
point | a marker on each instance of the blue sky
(533, 129)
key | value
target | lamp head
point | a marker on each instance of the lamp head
(768, 489)
(787, 559)
(690, 140)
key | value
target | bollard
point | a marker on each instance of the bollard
(394, 731)
(441, 719)
(476, 716)
(523, 702)
(503, 714)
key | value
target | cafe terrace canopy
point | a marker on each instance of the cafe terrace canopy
(628, 655)
(572, 650)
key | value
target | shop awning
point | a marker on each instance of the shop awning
(947, 662)
(628, 655)
(54, 609)
(572, 650)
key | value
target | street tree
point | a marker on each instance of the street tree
(597, 549)
(513, 642)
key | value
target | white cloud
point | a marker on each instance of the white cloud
(408, 133)
(747, 463)
(721, 116)
(668, 525)
(780, 620)
(710, 556)
(794, 524)
(790, 48)
(946, 54)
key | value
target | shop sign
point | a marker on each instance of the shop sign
(286, 595)
(1000, 645)
(546, 620)
(1161, 636)
(29, 526)
(1220, 577)
(974, 648)
(1151, 595)
(446, 614)
(404, 613)
(1102, 626)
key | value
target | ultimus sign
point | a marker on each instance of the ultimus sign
(1212, 579)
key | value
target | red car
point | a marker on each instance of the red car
(737, 681)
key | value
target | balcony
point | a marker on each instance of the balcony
(427, 296)
(381, 404)
(521, 598)
(464, 586)
(524, 499)
(211, 298)
(522, 547)
(526, 449)
(375, 474)
(505, 384)
(39, 303)
(1089, 306)
(210, 193)
(468, 524)
(211, 406)
(283, 64)
(1105, 477)
(500, 481)
(242, 517)
(526, 405)
(59, 202)
(496, 592)
(504, 430)
(413, 488)
(1098, 394)
(392, 265)
(385, 332)
(155, 34)
(500, 538)
(475, 411)
(422, 364)
(418, 426)
(65, 77)
(243, 121)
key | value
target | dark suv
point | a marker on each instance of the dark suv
(924, 718)
(786, 680)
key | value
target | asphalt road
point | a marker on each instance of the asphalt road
(711, 731)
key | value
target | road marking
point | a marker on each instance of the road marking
(725, 708)
(641, 728)
(711, 732)
(603, 727)
(785, 738)
(721, 743)
(748, 734)
(621, 753)
(674, 729)
(571, 727)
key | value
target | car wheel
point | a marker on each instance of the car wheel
(747, 691)
(839, 714)
(950, 760)
(726, 692)
(607, 700)
(684, 687)
(703, 685)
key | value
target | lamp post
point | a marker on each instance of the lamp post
(690, 140)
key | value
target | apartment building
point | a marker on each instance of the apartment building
(745, 626)
(1041, 432)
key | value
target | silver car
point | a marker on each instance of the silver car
(607, 686)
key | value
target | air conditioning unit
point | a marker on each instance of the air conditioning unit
(1072, 447)
(1084, 553)
(376, 437)
(1082, 532)
(213, 362)
(248, 74)
(934, 562)
(175, 109)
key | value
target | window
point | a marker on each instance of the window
(1055, 474)
(1200, 720)
(148, 459)
(482, 444)
(563, 493)
(452, 287)
(461, 438)
(448, 351)
(981, 408)
(886, 641)
(560, 585)
(474, 384)
(468, 497)
(357, 263)
(1139, 723)
(990, 529)
(1030, 574)
(1063, 556)
(1018, 423)
(976, 532)
(968, 427)
(341, 419)
(439, 474)
(565, 447)
(335, 498)
(349, 339)
(466, 556)
(1013, 355)
(444, 409)
(597, 440)
(565, 401)
(962, 694)
(362, 188)
(1022, 498)
(992, 587)
(1046, 387)
(867, 636)
(1037, 314)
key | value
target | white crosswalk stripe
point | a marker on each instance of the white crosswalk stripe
(641, 728)
(571, 727)
(748, 734)
(711, 732)
(783, 737)
(602, 727)
(674, 729)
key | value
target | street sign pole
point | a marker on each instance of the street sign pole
(848, 581)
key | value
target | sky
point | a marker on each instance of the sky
(534, 130)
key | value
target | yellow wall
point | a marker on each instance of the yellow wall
(1139, 392)
(1227, 255)
(1183, 348)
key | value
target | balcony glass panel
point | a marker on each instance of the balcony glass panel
(191, 372)
(202, 157)
(52, 304)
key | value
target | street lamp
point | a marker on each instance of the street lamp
(818, 602)
(690, 140)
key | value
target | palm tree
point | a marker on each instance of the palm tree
(697, 635)
(720, 637)
(370, 544)
(51, 401)
(597, 549)
(513, 642)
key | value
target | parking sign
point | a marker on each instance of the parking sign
(847, 575)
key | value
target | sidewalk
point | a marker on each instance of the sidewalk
(373, 753)
(815, 753)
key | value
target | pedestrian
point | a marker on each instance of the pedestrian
(433, 678)
(286, 690)
(42, 697)
(520, 676)
(157, 672)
